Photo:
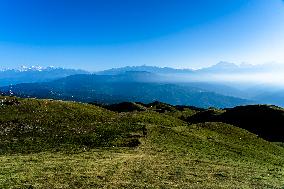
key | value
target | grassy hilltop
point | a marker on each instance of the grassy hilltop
(56, 144)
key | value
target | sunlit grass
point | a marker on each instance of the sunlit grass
(169, 154)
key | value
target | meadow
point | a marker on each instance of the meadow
(57, 144)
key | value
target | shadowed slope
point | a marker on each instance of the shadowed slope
(263, 120)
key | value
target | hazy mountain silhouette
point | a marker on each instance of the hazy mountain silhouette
(144, 68)
(131, 86)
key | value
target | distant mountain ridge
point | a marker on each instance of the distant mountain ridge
(144, 68)
(35, 74)
(221, 67)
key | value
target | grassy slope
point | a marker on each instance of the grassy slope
(70, 145)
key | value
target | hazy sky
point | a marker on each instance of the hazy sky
(100, 34)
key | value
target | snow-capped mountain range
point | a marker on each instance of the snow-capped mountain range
(219, 67)
(35, 74)
(29, 68)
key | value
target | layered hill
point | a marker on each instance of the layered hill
(131, 86)
(56, 144)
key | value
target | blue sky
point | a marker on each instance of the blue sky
(100, 34)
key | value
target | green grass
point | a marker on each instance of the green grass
(131, 169)
(40, 125)
(52, 144)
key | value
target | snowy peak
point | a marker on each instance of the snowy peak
(220, 67)
(33, 74)
(31, 68)
(225, 65)
(36, 68)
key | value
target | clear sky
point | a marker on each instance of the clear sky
(100, 34)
